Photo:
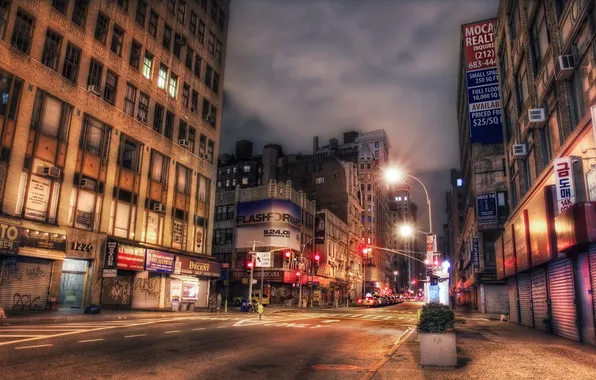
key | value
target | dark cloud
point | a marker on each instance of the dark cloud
(300, 68)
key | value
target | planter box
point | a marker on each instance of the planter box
(438, 350)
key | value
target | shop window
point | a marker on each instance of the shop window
(90, 175)
(23, 32)
(157, 198)
(45, 156)
(126, 188)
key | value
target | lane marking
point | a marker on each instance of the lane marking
(330, 321)
(200, 328)
(134, 336)
(19, 330)
(38, 346)
(222, 327)
(90, 340)
(172, 332)
(18, 336)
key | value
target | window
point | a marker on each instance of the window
(143, 111)
(117, 39)
(198, 61)
(514, 21)
(167, 37)
(192, 26)
(246, 168)
(141, 12)
(522, 85)
(109, 93)
(204, 5)
(539, 37)
(179, 41)
(23, 32)
(182, 130)
(210, 150)
(218, 48)
(208, 75)
(185, 95)
(123, 4)
(158, 116)
(147, 64)
(181, 11)
(580, 87)
(60, 5)
(101, 28)
(79, 13)
(320, 180)
(163, 76)
(202, 145)
(173, 89)
(95, 137)
(135, 54)
(130, 155)
(215, 85)
(214, 11)
(221, 20)
(201, 32)
(94, 78)
(189, 56)
(71, 63)
(244, 181)
(124, 204)
(130, 99)
(153, 22)
(51, 50)
(560, 7)
(169, 125)
(211, 46)
(159, 167)
(209, 112)
(171, 6)
(194, 103)
(192, 137)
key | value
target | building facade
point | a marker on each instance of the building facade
(546, 253)
(110, 126)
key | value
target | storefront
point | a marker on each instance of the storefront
(192, 280)
(149, 288)
(122, 263)
(26, 278)
(280, 285)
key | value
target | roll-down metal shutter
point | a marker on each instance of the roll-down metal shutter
(512, 294)
(592, 261)
(539, 299)
(562, 299)
(525, 299)
(25, 286)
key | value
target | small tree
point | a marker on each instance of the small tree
(436, 319)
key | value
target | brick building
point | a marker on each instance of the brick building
(110, 125)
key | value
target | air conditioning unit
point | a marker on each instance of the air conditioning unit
(48, 171)
(520, 151)
(209, 119)
(565, 66)
(142, 119)
(536, 117)
(159, 207)
(87, 184)
(94, 89)
(184, 143)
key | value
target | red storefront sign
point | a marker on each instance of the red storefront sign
(130, 258)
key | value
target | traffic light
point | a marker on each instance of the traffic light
(297, 277)
(317, 258)
(249, 264)
(436, 262)
(413, 282)
(288, 257)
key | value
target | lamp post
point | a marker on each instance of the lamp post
(394, 175)
(301, 261)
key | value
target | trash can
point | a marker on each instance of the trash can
(244, 305)
(175, 305)
(191, 307)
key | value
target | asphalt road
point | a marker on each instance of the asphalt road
(337, 344)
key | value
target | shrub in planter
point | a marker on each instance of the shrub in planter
(437, 339)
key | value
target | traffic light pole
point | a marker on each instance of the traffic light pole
(252, 266)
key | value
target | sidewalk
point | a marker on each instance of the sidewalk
(498, 350)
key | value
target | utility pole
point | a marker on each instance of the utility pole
(252, 266)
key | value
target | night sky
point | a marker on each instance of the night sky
(300, 68)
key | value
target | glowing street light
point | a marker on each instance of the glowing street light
(406, 230)
(393, 175)
(395, 273)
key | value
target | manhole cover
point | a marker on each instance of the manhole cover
(334, 367)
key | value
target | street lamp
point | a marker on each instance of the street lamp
(395, 273)
(393, 175)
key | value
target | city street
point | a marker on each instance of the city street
(330, 344)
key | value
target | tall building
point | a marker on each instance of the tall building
(547, 251)
(483, 177)
(110, 125)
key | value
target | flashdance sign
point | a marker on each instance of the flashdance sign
(484, 101)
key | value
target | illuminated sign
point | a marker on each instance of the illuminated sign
(564, 182)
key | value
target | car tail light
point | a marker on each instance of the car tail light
(359, 300)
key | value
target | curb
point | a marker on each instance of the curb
(396, 346)
(84, 318)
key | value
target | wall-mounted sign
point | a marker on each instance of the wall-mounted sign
(486, 209)
(199, 267)
(160, 262)
(38, 196)
(110, 273)
(130, 258)
(482, 82)
(591, 183)
(199, 237)
(190, 290)
(45, 240)
(110, 261)
(10, 235)
(320, 228)
(564, 181)
(475, 253)
(263, 260)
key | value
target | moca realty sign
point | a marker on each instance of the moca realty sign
(271, 222)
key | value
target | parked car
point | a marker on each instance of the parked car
(255, 298)
(369, 301)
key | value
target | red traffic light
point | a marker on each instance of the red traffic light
(249, 264)
(288, 254)
(317, 257)
(436, 262)
(413, 282)
(297, 274)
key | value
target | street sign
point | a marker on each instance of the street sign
(254, 281)
(263, 260)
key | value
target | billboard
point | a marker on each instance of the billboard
(271, 222)
(320, 228)
(484, 101)
(486, 208)
(160, 262)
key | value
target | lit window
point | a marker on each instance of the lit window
(320, 180)
(173, 89)
(147, 65)
(163, 77)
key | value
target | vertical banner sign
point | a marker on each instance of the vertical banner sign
(112, 248)
(431, 248)
(475, 253)
(564, 182)
(486, 205)
(484, 101)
